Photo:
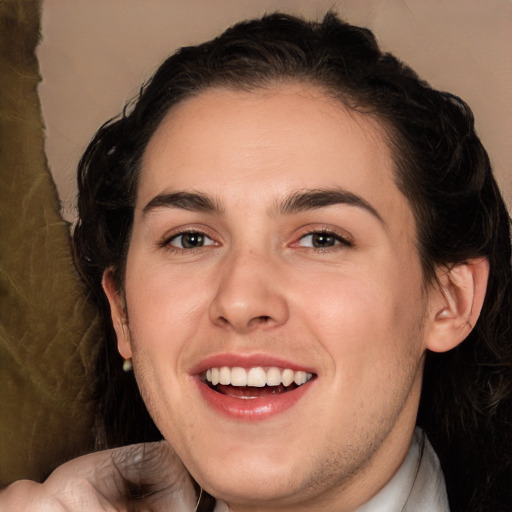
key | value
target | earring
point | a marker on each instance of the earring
(127, 365)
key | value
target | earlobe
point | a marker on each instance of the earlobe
(118, 313)
(455, 303)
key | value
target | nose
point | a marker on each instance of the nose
(249, 295)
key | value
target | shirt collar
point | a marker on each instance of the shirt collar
(417, 486)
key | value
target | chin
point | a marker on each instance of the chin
(262, 490)
(255, 479)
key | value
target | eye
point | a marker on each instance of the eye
(322, 240)
(190, 240)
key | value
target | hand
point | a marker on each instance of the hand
(133, 478)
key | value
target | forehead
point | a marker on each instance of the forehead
(267, 143)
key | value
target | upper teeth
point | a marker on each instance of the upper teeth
(257, 376)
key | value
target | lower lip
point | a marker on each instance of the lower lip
(252, 409)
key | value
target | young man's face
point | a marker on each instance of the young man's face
(271, 241)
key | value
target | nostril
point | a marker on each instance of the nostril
(257, 320)
(223, 320)
(262, 319)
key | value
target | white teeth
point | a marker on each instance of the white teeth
(238, 377)
(288, 377)
(256, 376)
(273, 376)
(300, 378)
(225, 376)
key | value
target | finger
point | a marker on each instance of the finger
(27, 496)
(153, 476)
(136, 477)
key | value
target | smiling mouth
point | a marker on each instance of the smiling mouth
(255, 382)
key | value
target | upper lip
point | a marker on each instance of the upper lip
(246, 361)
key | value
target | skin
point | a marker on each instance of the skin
(97, 483)
(359, 314)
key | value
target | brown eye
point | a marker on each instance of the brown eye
(321, 240)
(190, 240)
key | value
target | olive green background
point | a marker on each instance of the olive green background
(48, 331)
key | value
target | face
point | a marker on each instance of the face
(274, 296)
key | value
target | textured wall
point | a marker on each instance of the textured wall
(48, 331)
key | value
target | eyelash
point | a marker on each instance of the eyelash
(339, 241)
(167, 242)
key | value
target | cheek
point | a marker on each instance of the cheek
(163, 304)
(163, 310)
(373, 314)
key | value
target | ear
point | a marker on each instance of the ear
(455, 303)
(118, 313)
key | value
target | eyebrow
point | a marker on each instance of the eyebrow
(296, 202)
(193, 201)
(314, 199)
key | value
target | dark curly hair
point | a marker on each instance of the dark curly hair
(440, 166)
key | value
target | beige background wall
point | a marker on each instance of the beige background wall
(95, 53)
